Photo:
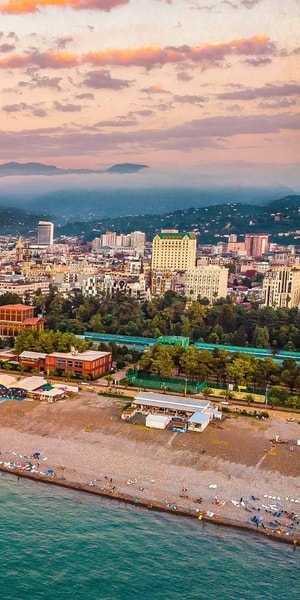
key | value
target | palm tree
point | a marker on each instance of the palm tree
(109, 379)
(207, 391)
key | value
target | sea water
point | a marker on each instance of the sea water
(59, 544)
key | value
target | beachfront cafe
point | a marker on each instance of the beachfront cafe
(175, 406)
(185, 414)
(34, 387)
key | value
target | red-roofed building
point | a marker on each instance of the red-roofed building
(15, 317)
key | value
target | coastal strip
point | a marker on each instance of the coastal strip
(286, 538)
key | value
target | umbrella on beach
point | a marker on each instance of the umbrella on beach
(36, 455)
(50, 471)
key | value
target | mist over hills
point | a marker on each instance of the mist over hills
(280, 218)
(16, 169)
(212, 223)
(128, 196)
(132, 189)
(67, 205)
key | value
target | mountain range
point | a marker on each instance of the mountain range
(213, 223)
(15, 169)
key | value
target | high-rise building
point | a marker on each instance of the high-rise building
(173, 251)
(206, 282)
(281, 287)
(45, 233)
(138, 239)
(256, 244)
(19, 250)
(109, 239)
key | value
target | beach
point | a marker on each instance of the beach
(230, 471)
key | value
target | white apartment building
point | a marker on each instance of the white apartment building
(135, 287)
(111, 239)
(45, 233)
(174, 251)
(281, 287)
(206, 282)
(138, 240)
(23, 286)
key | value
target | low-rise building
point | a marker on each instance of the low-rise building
(35, 360)
(206, 282)
(178, 412)
(177, 406)
(198, 421)
(85, 365)
(16, 317)
(281, 287)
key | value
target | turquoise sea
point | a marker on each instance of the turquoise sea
(59, 545)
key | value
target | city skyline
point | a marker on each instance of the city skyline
(201, 84)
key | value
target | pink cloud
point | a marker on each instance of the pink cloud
(145, 56)
(103, 80)
(31, 6)
(267, 91)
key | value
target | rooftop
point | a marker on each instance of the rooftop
(31, 383)
(199, 418)
(16, 307)
(33, 321)
(89, 355)
(36, 355)
(175, 236)
(172, 402)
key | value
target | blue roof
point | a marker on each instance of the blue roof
(199, 418)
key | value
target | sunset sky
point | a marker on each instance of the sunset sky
(88, 83)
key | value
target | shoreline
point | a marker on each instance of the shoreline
(155, 505)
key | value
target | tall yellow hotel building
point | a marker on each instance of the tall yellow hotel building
(171, 251)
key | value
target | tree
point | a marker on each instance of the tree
(38, 300)
(189, 362)
(206, 392)
(48, 341)
(241, 369)
(196, 313)
(261, 338)
(146, 361)
(95, 323)
(240, 336)
(267, 372)
(290, 374)
(9, 298)
(249, 399)
(279, 396)
(109, 379)
(162, 363)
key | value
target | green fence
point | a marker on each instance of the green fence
(235, 388)
(166, 384)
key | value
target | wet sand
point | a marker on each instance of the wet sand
(86, 443)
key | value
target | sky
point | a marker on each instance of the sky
(181, 85)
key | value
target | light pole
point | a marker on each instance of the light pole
(267, 394)
(185, 387)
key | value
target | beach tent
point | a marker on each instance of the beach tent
(6, 381)
(52, 394)
(31, 384)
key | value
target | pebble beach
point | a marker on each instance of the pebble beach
(129, 465)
